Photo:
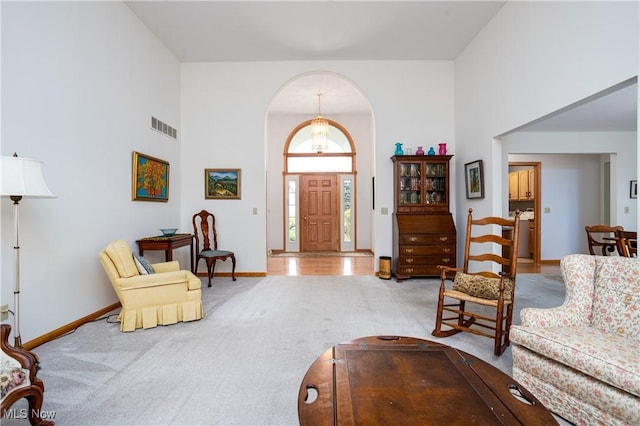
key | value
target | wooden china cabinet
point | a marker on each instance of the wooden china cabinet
(424, 234)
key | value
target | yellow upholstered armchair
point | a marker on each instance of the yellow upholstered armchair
(150, 294)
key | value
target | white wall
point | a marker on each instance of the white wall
(224, 107)
(532, 59)
(80, 81)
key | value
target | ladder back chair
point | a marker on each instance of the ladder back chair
(627, 243)
(204, 229)
(601, 239)
(486, 282)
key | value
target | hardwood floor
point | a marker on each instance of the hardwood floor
(360, 265)
(339, 265)
(538, 268)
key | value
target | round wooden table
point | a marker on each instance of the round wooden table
(395, 380)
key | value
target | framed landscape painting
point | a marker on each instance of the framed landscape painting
(474, 179)
(150, 181)
(222, 184)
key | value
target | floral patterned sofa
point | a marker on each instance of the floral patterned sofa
(582, 359)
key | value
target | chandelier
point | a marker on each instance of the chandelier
(319, 131)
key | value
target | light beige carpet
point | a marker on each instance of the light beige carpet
(243, 363)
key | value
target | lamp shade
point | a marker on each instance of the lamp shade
(23, 177)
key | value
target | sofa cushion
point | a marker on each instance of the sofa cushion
(122, 258)
(480, 286)
(616, 303)
(608, 357)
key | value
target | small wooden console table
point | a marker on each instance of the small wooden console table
(167, 244)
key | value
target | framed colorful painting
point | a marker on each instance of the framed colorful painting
(474, 179)
(222, 184)
(150, 181)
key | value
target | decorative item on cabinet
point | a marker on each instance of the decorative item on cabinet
(432, 151)
(399, 150)
(419, 151)
(424, 234)
(443, 148)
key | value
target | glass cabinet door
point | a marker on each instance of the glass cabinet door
(410, 181)
(435, 183)
(421, 183)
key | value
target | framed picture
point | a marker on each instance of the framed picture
(150, 181)
(474, 179)
(222, 184)
(633, 189)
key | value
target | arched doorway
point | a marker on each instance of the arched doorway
(346, 107)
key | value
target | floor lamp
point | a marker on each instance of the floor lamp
(21, 178)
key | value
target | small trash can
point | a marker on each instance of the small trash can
(384, 270)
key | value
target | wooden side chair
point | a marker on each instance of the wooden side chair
(487, 280)
(19, 368)
(204, 229)
(627, 242)
(601, 239)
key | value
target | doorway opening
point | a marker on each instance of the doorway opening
(524, 195)
(345, 106)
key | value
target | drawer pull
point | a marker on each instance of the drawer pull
(409, 260)
(443, 239)
(445, 260)
(413, 239)
(408, 270)
(409, 250)
(446, 250)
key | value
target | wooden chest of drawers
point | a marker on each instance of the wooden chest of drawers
(423, 243)
(424, 234)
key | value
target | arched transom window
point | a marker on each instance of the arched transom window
(303, 157)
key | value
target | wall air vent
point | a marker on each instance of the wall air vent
(163, 128)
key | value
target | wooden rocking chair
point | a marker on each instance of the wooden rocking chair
(483, 285)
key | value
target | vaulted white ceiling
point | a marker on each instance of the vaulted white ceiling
(264, 30)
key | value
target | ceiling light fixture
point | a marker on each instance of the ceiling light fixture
(319, 130)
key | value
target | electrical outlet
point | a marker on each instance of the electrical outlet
(4, 309)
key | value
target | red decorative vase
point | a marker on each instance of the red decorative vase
(443, 149)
